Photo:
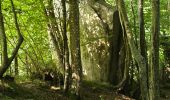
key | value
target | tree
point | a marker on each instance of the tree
(67, 81)
(154, 93)
(5, 60)
(137, 56)
(54, 32)
(75, 45)
(143, 46)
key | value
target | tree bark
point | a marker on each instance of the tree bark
(67, 80)
(142, 30)
(138, 57)
(4, 40)
(75, 45)
(16, 65)
(54, 32)
(143, 46)
(154, 93)
(134, 23)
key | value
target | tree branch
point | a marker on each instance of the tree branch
(20, 39)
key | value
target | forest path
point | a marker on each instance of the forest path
(30, 91)
(38, 90)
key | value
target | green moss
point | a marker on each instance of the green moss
(95, 85)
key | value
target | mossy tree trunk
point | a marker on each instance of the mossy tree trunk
(75, 45)
(135, 53)
(3, 41)
(143, 46)
(67, 81)
(154, 57)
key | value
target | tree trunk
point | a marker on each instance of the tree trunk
(154, 58)
(4, 41)
(134, 23)
(67, 80)
(143, 46)
(75, 45)
(54, 33)
(6, 62)
(16, 66)
(138, 57)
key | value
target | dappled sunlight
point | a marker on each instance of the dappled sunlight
(55, 88)
(94, 41)
(84, 50)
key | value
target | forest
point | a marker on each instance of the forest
(84, 49)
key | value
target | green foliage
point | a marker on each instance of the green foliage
(36, 53)
(33, 27)
(4, 97)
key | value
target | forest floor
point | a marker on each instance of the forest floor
(38, 90)
(165, 92)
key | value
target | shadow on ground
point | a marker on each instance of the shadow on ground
(29, 91)
(38, 90)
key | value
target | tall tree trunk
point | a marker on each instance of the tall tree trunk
(67, 80)
(134, 23)
(75, 45)
(143, 46)
(154, 59)
(4, 40)
(138, 57)
(54, 33)
(6, 62)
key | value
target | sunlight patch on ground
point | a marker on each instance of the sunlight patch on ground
(55, 88)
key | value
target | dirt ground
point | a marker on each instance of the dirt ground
(165, 92)
(38, 90)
